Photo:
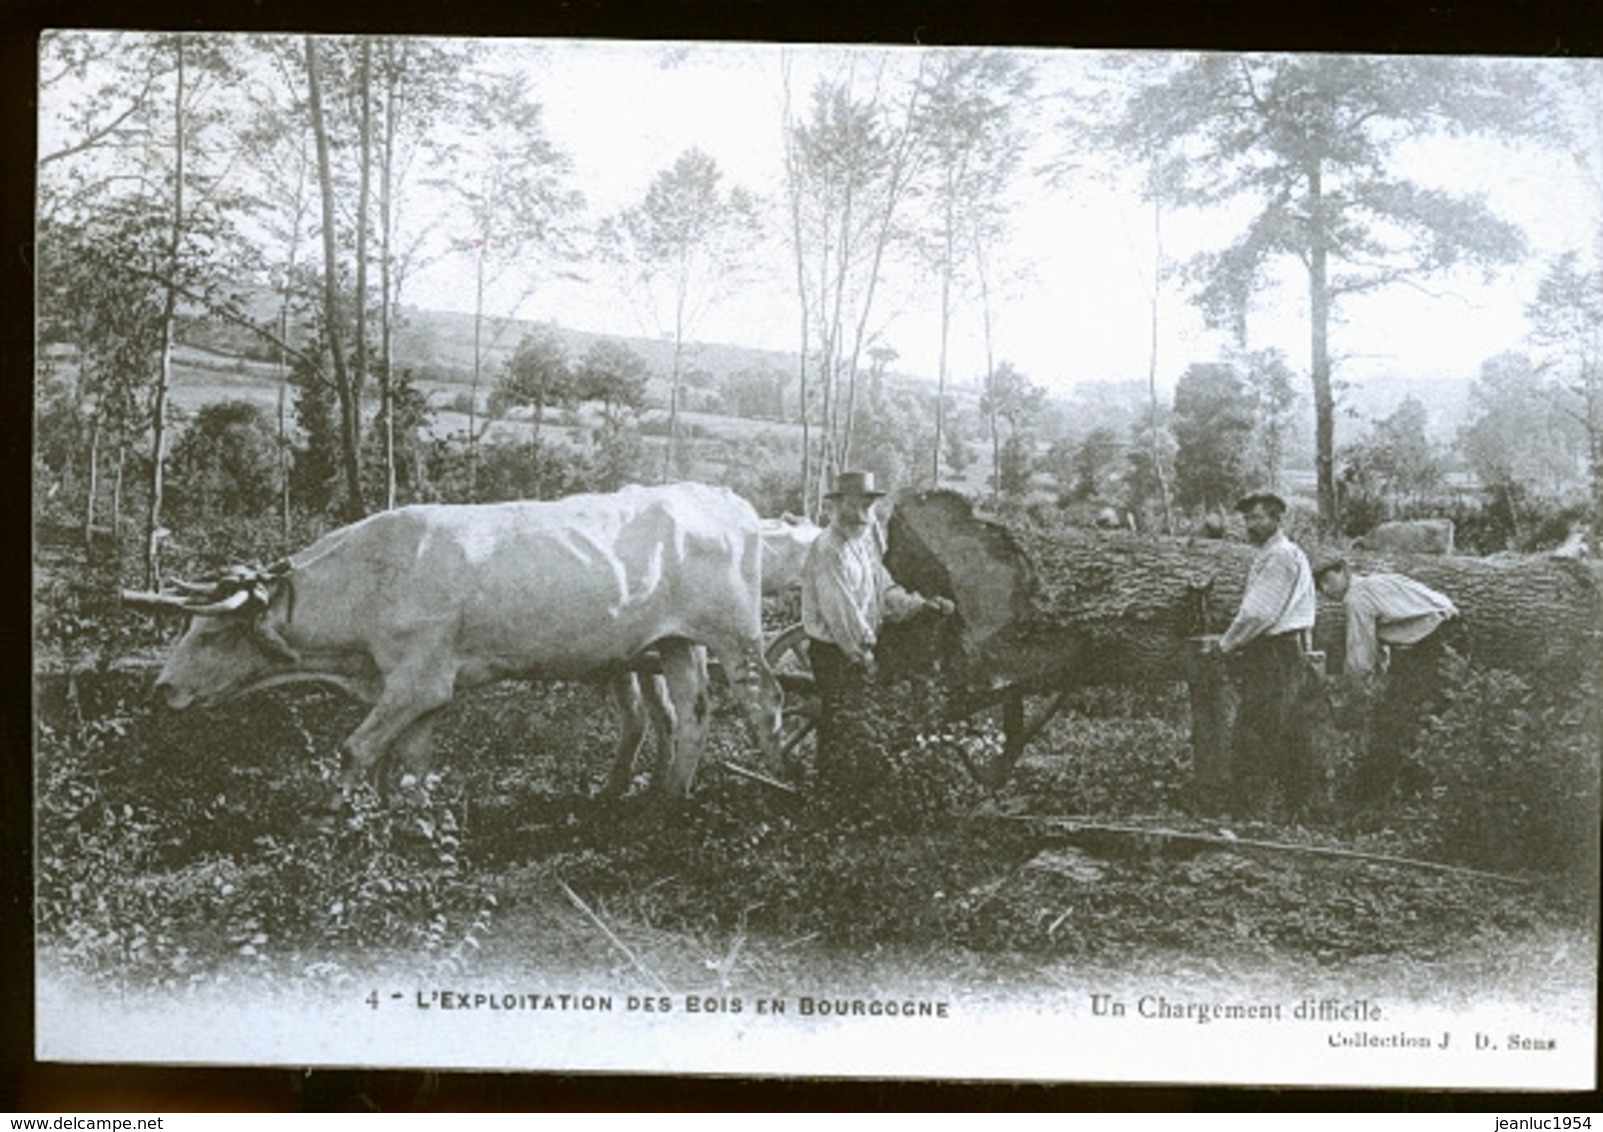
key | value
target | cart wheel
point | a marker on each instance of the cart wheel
(996, 736)
(989, 741)
(787, 656)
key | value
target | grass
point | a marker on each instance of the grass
(192, 830)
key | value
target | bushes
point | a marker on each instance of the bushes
(171, 847)
(1516, 777)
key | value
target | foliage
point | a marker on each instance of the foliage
(1567, 327)
(412, 416)
(1095, 465)
(1518, 434)
(851, 167)
(615, 375)
(507, 469)
(956, 453)
(224, 463)
(314, 475)
(1268, 379)
(511, 182)
(969, 122)
(685, 246)
(1390, 469)
(1309, 144)
(1516, 771)
(892, 437)
(755, 392)
(768, 474)
(537, 375)
(1212, 426)
(160, 868)
(1014, 398)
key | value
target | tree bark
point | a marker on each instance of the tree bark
(1046, 605)
(1319, 361)
(169, 309)
(350, 413)
(363, 200)
(94, 484)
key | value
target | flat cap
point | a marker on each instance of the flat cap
(1326, 563)
(1269, 499)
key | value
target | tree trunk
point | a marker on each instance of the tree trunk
(473, 392)
(116, 488)
(1152, 367)
(386, 282)
(1319, 362)
(1059, 606)
(947, 268)
(94, 484)
(350, 430)
(363, 195)
(158, 405)
(990, 371)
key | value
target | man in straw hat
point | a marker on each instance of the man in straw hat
(1400, 629)
(846, 594)
(1266, 642)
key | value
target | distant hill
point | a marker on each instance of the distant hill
(438, 347)
(1445, 398)
(445, 339)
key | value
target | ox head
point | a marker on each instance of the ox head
(230, 641)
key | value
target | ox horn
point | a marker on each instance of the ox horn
(145, 599)
(217, 608)
(149, 600)
(194, 589)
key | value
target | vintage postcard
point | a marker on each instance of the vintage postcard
(751, 560)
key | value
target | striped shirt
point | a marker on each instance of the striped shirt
(1279, 598)
(1389, 609)
(847, 592)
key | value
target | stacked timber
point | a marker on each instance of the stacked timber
(1044, 604)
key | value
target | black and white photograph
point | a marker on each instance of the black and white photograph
(802, 560)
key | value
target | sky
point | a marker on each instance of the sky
(1073, 302)
(1079, 308)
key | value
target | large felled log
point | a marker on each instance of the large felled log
(1047, 605)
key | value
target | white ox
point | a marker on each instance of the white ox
(406, 608)
(786, 541)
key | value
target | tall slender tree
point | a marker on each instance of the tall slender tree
(1567, 331)
(511, 182)
(851, 167)
(970, 118)
(345, 389)
(683, 248)
(1311, 145)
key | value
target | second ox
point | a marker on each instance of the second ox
(406, 608)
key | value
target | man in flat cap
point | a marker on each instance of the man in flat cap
(846, 594)
(1266, 642)
(1399, 632)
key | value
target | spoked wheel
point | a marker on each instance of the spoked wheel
(996, 731)
(787, 656)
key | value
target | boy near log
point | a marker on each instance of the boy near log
(846, 594)
(1399, 633)
(1266, 644)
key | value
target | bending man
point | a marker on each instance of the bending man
(1402, 629)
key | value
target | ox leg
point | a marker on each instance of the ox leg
(756, 690)
(664, 718)
(414, 747)
(408, 697)
(629, 692)
(684, 671)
